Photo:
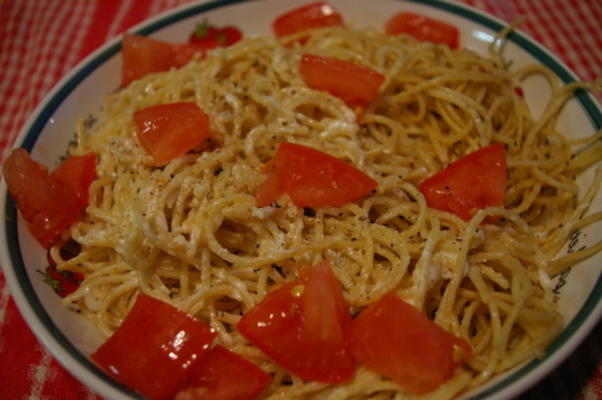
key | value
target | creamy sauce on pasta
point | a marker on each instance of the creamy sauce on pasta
(191, 234)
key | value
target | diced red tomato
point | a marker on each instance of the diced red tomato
(396, 340)
(270, 189)
(168, 131)
(49, 203)
(206, 36)
(312, 178)
(475, 181)
(38, 197)
(423, 28)
(324, 313)
(154, 348)
(223, 375)
(142, 56)
(355, 84)
(304, 327)
(183, 53)
(310, 16)
(77, 173)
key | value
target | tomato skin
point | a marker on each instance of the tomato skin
(30, 185)
(150, 355)
(475, 181)
(77, 174)
(396, 340)
(319, 326)
(310, 16)
(49, 202)
(304, 326)
(270, 188)
(168, 131)
(423, 28)
(142, 56)
(312, 178)
(354, 84)
(183, 53)
(224, 375)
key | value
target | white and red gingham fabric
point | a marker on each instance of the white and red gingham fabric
(40, 40)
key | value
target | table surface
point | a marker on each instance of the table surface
(40, 41)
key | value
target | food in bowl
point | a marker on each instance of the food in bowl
(332, 212)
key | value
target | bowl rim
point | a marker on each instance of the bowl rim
(87, 372)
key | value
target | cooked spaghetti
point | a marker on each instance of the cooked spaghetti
(190, 233)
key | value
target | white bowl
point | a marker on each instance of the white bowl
(71, 339)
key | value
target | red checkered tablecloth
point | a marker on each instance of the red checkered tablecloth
(41, 40)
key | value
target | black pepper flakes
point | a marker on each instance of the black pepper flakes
(278, 268)
(309, 212)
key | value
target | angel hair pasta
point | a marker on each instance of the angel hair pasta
(190, 232)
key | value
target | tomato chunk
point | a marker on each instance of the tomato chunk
(183, 53)
(49, 202)
(396, 340)
(355, 84)
(423, 28)
(312, 178)
(310, 16)
(223, 375)
(324, 313)
(304, 326)
(142, 56)
(154, 348)
(77, 173)
(475, 181)
(168, 131)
